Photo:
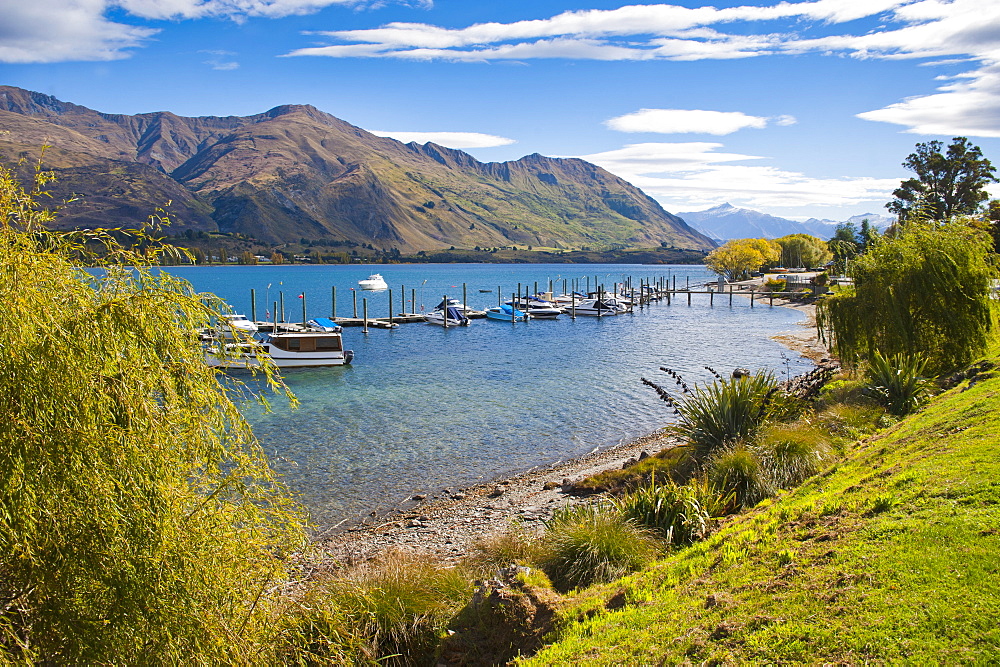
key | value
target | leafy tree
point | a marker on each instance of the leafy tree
(803, 250)
(924, 292)
(868, 234)
(247, 257)
(738, 258)
(844, 246)
(993, 220)
(139, 520)
(947, 184)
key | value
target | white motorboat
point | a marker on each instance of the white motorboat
(373, 282)
(468, 312)
(285, 349)
(537, 308)
(596, 308)
(452, 317)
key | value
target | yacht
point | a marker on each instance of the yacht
(373, 282)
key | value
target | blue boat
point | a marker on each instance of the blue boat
(505, 313)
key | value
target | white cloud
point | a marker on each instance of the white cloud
(48, 31)
(459, 140)
(692, 176)
(969, 106)
(677, 121)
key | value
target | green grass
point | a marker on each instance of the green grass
(890, 555)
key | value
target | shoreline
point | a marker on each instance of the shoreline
(446, 529)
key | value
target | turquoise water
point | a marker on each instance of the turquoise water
(423, 408)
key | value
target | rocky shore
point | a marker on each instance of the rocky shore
(446, 529)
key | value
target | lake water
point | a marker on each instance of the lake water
(423, 408)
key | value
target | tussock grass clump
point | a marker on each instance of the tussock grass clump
(516, 546)
(590, 544)
(853, 421)
(680, 514)
(738, 472)
(792, 452)
(391, 611)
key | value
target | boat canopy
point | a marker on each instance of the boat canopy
(324, 323)
(454, 313)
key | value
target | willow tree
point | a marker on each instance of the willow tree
(923, 292)
(139, 520)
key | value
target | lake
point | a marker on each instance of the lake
(422, 408)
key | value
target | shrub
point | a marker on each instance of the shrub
(775, 285)
(728, 411)
(680, 514)
(896, 382)
(792, 452)
(589, 544)
(736, 471)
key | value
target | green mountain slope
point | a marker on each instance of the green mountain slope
(296, 172)
(891, 556)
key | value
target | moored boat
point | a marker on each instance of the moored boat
(286, 349)
(505, 313)
(452, 317)
(373, 282)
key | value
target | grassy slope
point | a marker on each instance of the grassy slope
(891, 555)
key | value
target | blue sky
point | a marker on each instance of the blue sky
(800, 109)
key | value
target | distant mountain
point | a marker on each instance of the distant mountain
(725, 222)
(296, 172)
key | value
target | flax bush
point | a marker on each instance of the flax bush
(139, 521)
(729, 411)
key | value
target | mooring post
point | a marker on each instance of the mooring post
(751, 298)
(333, 303)
(689, 297)
(513, 309)
(730, 295)
(281, 300)
(444, 311)
(711, 298)
(364, 305)
(770, 299)
(274, 326)
(253, 304)
(390, 307)
(304, 318)
(413, 301)
(465, 300)
(355, 293)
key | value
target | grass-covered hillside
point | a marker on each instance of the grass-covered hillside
(890, 555)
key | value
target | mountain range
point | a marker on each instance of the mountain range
(295, 172)
(726, 222)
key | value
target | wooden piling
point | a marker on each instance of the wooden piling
(355, 293)
(304, 318)
(465, 300)
(333, 303)
(751, 298)
(253, 305)
(364, 306)
(390, 307)
(281, 300)
(444, 311)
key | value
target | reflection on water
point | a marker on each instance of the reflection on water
(422, 408)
